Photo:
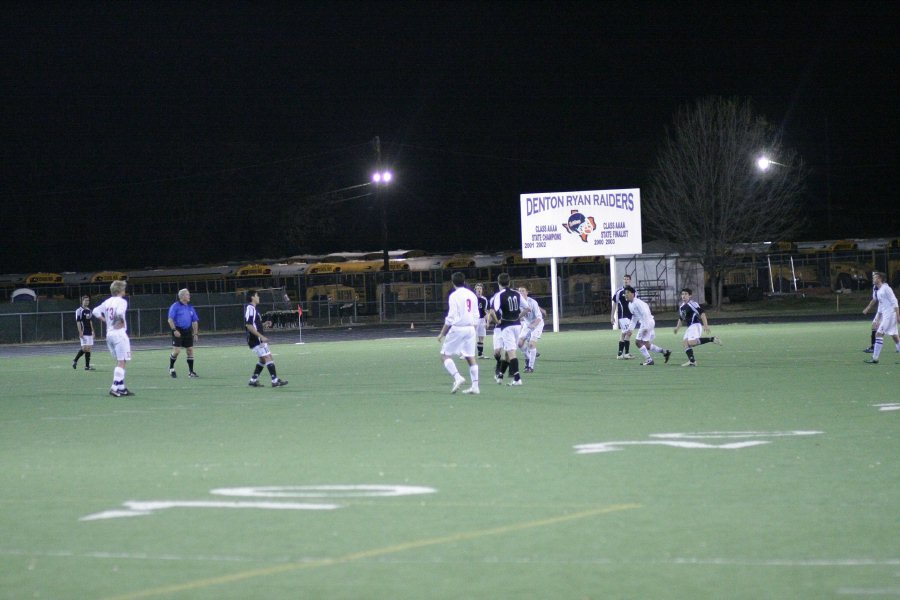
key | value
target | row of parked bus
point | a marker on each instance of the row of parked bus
(356, 277)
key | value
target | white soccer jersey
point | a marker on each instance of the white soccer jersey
(533, 312)
(112, 311)
(462, 308)
(640, 313)
(887, 300)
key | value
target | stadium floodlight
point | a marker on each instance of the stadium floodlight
(382, 177)
(764, 162)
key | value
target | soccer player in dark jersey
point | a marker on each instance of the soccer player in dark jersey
(691, 314)
(83, 320)
(506, 305)
(259, 343)
(481, 325)
(621, 316)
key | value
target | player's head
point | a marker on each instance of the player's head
(85, 300)
(184, 295)
(523, 291)
(458, 278)
(479, 289)
(686, 294)
(117, 287)
(503, 280)
(878, 278)
(626, 279)
(629, 293)
(252, 297)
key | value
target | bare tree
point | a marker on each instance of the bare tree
(708, 192)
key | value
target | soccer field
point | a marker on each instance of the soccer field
(770, 471)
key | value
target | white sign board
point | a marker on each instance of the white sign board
(589, 223)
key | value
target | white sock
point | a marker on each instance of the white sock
(119, 378)
(645, 352)
(451, 368)
(473, 375)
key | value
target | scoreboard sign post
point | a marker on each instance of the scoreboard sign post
(584, 223)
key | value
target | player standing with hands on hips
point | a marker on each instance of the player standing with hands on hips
(184, 323)
(113, 312)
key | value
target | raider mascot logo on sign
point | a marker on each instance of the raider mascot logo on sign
(581, 225)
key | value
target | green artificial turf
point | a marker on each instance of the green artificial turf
(809, 511)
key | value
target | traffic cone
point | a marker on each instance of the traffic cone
(412, 325)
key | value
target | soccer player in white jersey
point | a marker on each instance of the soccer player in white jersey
(888, 316)
(643, 322)
(532, 328)
(692, 314)
(112, 311)
(869, 307)
(457, 336)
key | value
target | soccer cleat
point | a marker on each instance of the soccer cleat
(871, 361)
(627, 356)
(529, 370)
(173, 374)
(648, 363)
(471, 390)
(620, 357)
(498, 379)
(115, 393)
(126, 392)
(869, 350)
(457, 383)
(193, 375)
(90, 369)
(717, 340)
(689, 364)
(514, 383)
(74, 364)
(254, 383)
(666, 356)
(279, 383)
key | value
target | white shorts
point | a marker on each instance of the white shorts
(460, 341)
(87, 340)
(693, 331)
(624, 324)
(480, 328)
(647, 332)
(888, 324)
(509, 337)
(261, 349)
(498, 340)
(532, 335)
(118, 343)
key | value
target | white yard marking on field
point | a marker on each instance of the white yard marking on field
(677, 440)
(141, 508)
(887, 407)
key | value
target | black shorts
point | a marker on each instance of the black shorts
(185, 341)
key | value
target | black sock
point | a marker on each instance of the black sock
(872, 343)
(271, 367)
(705, 340)
(87, 359)
(502, 370)
(627, 346)
(257, 370)
(172, 359)
(81, 352)
(621, 347)
(514, 369)
(480, 349)
(190, 363)
(497, 367)
(690, 354)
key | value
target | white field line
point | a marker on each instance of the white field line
(683, 561)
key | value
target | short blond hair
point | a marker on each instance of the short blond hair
(117, 286)
(183, 292)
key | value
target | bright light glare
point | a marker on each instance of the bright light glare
(382, 177)
(763, 163)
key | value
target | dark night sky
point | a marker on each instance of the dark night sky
(147, 133)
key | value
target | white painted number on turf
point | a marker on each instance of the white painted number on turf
(681, 440)
(140, 508)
